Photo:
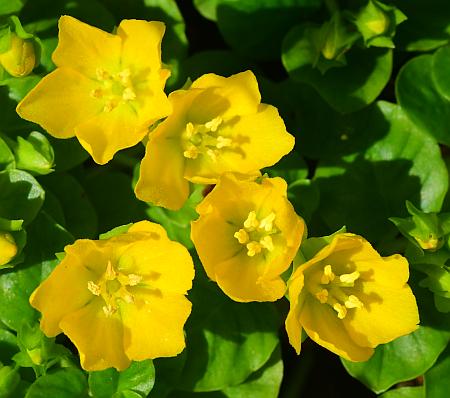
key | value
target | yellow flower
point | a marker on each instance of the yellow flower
(119, 299)
(8, 248)
(349, 299)
(246, 237)
(218, 125)
(20, 59)
(107, 89)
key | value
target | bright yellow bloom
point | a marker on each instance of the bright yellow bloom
(20, 59)
(8, 248)
(349, 299)
(246, 236)
(218, 125)
(107, 89)
(119, 299)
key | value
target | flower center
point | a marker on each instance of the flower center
(114, 89)
(256, 234)
(204, 139)
(332, 291)
(113, 286)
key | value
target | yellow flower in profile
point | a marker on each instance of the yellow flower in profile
(8, 248)
(349, 299)
(246, 236)
(107, 89)
(218, 125)
(119, 299)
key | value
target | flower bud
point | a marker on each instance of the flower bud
(20, 59)
(8, 248)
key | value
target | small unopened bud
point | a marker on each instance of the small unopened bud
(8, 248)
(20, 59)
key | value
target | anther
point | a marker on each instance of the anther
(267, 222)
(97, 93)
(190, 130)
(213, 124)
(241, 236)
(267, 242)
(253, 248)
(341, 310)
(251, 223)
(128, 94)
(109, 106)
(109, 310)
(349, 278)
(191, 153)
(134, 279)
(353, 302)
(322, 296)
(212, 154)
(93, 288)
(124, 76)
(327, 275)
(101, 74)
(223, 142)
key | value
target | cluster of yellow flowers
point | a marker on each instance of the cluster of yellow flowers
(123, 298)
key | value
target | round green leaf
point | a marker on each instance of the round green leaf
(6, 156)
(441, 78)
(437, 382)
(8, 346)
(65, 383)
(420, 99)
(363, 191)
(346, 88)
(405, 392)
(21, 196)
(226, 341)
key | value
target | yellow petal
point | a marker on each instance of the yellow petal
(109, 132)
(64, 291)
(161, 180)
(98, 337)
(241, 278)
(325, 328)
(260, 141)
(60, 101)
(141, 48)
(153, 325)
(388, 312)
(292, 323)
(86, 48)
(232, 96)
(165, 265)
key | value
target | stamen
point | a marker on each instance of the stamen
(251, 223)
(341, 310)
(212, 154)
(327, 275)
(267, 242)
(267, 222)
(190, 130)
(322, 296)
(253, 248)
(134, 279)
(213, 124)
(241, 236)
(191, 153)
(349, 278)
(223, 142)
(124, 76)
(110, 274)
(109, 309)
(109, 106)
(101, 74)
(93, 288)
(97, 93)
(128, 94)
(353, 302)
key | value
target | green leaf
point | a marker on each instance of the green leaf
(409, 356)
(347, 88)
(8, 346)
(420, 99)
(6, 156)
(80, 218)
(10, 6)
(9, 380)
(68, 153)
(362, 191)
(64, 383)
(405, 392)
(21, 196)
(441, 63)
(427, 26)
(437, 382)
(246, 24)
(138, 378)
(226, 341)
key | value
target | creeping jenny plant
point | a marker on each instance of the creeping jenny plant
(349, 299)
(218, 125)
(119, 299)
(107, 89)
(246, 237)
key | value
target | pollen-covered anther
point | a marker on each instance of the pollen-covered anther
(109, 106)
(267, 222)
(97, 93)
(109, 309)
(134, 279)
(191, 153)
(124, 76)
(223, 142)
(94, 288)
(267, 242)
(212, 154)
(128, 94)
(349, 278)
(101, 74)
(241, 236)
(251, 223)
(327, 276)
(340, 309)
(322, 296)
(214, 124)
(353, 302)
(253, 248)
